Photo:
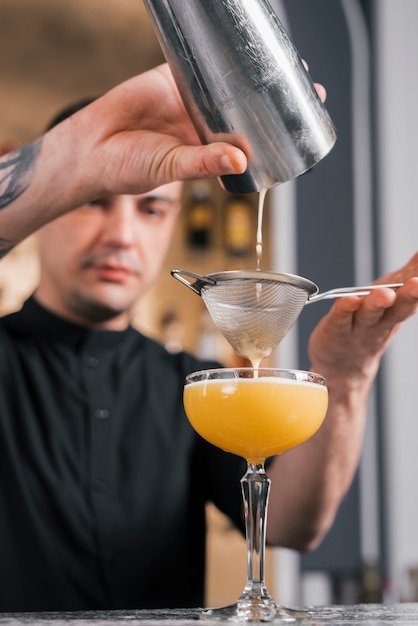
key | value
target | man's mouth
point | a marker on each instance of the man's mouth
(113, 273)
(114, 267)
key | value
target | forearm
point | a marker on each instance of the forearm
(40, 182)
(16, 174)
(309, 482)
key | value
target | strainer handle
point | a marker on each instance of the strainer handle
(340, 292)
(197, 285)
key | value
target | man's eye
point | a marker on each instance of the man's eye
(151, 210)
(155, 209)
(98, 202)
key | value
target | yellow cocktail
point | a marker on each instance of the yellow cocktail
(255, 413)
(255, 417)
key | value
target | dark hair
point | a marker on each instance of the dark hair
(69, 110)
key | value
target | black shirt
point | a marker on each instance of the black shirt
(103, 482)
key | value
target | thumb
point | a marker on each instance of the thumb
(207, 161)
(145, 162)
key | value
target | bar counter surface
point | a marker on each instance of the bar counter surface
(362, 614)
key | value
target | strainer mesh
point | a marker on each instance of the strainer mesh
(254, 314)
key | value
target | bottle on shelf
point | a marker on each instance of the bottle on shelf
(200, 216)
(371, 591)
(239, 226)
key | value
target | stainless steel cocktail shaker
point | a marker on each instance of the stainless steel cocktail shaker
(242, 81)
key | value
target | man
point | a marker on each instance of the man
(103, 482)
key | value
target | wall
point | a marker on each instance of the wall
(397, 105)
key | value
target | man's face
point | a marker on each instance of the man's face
(98, 259)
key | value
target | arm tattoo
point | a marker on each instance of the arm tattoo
(15, 172)
(15, 177)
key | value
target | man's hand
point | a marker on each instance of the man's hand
(138, 136)
(349, 341)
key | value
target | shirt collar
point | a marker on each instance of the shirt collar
(35, 319)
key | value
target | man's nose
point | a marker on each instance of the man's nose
(120, 222)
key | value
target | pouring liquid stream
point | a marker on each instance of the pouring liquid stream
(254, 357)
(259, 240)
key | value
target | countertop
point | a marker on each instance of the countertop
(364, 614)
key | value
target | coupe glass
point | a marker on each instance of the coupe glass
(255, 413)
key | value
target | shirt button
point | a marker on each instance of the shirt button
(90, 360)
(102, 414)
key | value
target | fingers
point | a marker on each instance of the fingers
(216, 159)
(372, 308)
(404, 305)
(384, 304)
(367, 323)
(350, 340)
(321, 91)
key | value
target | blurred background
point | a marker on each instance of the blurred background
(347, 221)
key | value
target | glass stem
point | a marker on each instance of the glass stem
(255, 486)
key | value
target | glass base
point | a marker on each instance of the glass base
(261, 610)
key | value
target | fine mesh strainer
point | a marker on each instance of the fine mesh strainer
(254, 309)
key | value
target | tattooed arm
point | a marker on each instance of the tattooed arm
(15, 172)
(133, 139)
(15, 175)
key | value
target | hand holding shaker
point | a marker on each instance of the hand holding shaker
(242, 81)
